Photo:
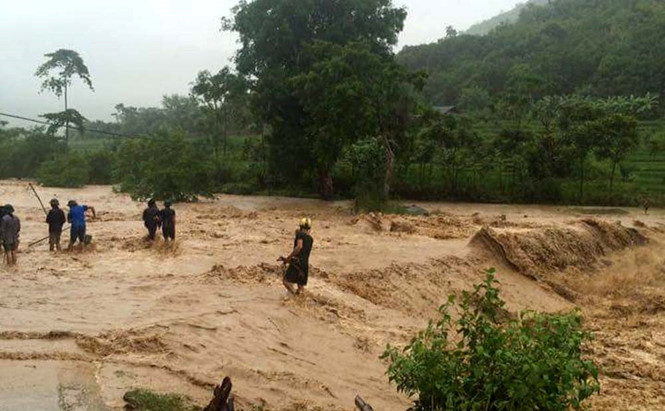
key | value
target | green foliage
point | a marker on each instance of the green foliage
(100, 165)
(225, 102)
(310, 61)
(64, 171)
(368, 162)
(176, 113)
(601, 48)
(508, 17)
(487, 360)
(171, 167)
(146, 400)
(66, 63)
(23, 151)
(63, 119)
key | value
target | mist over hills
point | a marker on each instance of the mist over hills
(508, 17)
(600, 47)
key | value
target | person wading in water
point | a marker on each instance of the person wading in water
(298, 261)
(151, 219)
(167, 218)
(55, 220)
(10, 227)
(76, 218)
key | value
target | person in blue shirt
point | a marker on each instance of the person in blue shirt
(76, 217)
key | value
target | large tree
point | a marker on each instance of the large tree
(617, 136)
(278, 40)
(56, 74)
(351, 93)
(224, 97)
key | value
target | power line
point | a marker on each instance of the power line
(110, 133)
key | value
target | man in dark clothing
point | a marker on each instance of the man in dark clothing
(55, 220)
(10, 227)
(298, 261)
(151, 219)
(167, 217)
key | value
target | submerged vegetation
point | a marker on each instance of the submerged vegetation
(146, 400)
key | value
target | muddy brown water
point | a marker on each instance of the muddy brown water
(79, 329)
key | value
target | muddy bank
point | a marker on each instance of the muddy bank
(544, 252)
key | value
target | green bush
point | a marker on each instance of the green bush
(23, 151)
(64, 171)
(146, 400)
(367, 158)
(495, 362)
(172, 167)
(100, 166)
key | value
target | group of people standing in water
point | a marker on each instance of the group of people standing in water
(154, 218)
(296, 263)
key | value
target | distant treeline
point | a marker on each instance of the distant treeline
(601, 48)
(318, 104)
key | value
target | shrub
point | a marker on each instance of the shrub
(172, 167)
(497, 362)
(146, 400)
(23, 151)
(100, 166)
(64, 171)
(368, 161)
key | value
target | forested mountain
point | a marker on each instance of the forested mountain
(595, 47)
(508, 17)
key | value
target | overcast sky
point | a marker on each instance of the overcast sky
(139, 50)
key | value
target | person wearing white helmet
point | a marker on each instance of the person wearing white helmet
(298, 261)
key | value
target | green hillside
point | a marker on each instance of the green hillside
(508, 17)
(601, 47)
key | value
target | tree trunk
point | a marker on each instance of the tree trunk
(226, 132)
(614, 166)
(326, 184)
(390, 167)
(581, 179)
(66, 123)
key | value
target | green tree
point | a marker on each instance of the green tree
(64, 171)
(276, 38)
(458, 147)
(351, 93)
(474, 100)
(562, 44)
(56, 74)
(576, 121)
(489, 360)
(224, 97)
(169, 167)
(64, 119)
(617, 136)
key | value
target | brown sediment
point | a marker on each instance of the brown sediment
(122, 342)
(538, 252)
(212, 304)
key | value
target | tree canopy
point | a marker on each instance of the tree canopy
(290, 49)
(602, 48)
(66, 64)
